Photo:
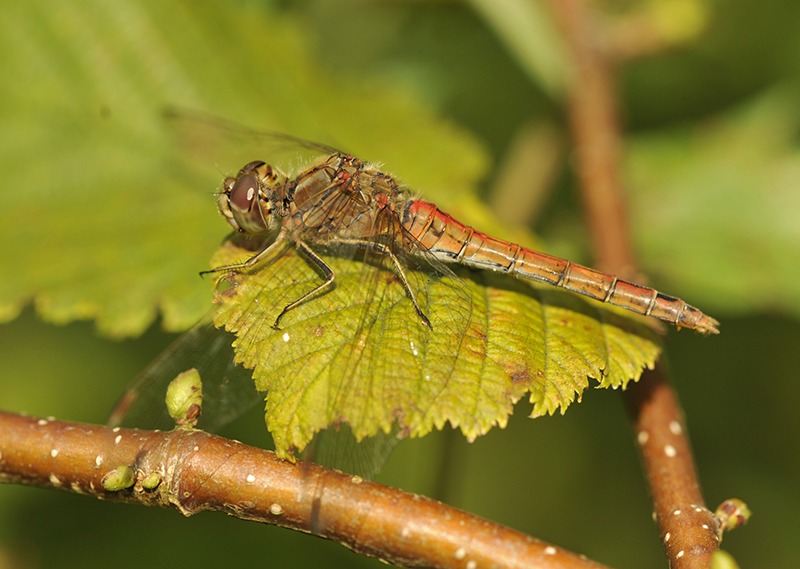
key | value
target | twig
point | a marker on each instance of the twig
(194, 471)
(688, 530)
(596, 135)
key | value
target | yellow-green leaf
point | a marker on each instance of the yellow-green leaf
(359, 354)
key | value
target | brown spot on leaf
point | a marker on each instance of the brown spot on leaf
(521, 376)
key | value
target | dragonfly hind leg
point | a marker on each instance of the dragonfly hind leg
(326, 269)
(386, 250)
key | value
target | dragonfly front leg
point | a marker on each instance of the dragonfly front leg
(386, 250)
(280, 241)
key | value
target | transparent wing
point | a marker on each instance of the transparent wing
(336, 447)
(443, 298)
(357, 356)
(211, 141)
(228, 389)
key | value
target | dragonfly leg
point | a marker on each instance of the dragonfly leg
(326, 269)
(386, 250)
(279, 242)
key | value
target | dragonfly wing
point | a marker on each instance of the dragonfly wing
(215, 138)
(373, 359)
(353, 353)
(228, 389)
(336, 447)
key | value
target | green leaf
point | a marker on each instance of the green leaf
(359, 354)
(717, 207)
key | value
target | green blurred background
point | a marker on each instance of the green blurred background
(107, 216)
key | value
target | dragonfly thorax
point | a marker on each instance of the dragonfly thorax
(250, 201)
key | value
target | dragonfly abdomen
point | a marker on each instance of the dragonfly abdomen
(640, 299)
(452, 241)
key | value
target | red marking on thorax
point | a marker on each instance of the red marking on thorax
(381, 199)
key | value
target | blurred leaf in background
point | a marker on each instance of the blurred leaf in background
(728, 191)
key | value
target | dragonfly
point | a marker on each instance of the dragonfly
(342, 202)
(345, 201)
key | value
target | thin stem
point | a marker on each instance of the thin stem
(688, 530)
(597, 139)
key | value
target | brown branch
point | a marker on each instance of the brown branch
(194, 471)
(688, 530)
(598, 142)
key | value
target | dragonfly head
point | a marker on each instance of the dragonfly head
(249, 201)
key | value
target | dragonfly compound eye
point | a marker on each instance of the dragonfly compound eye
(248, 213)
(243, 192)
